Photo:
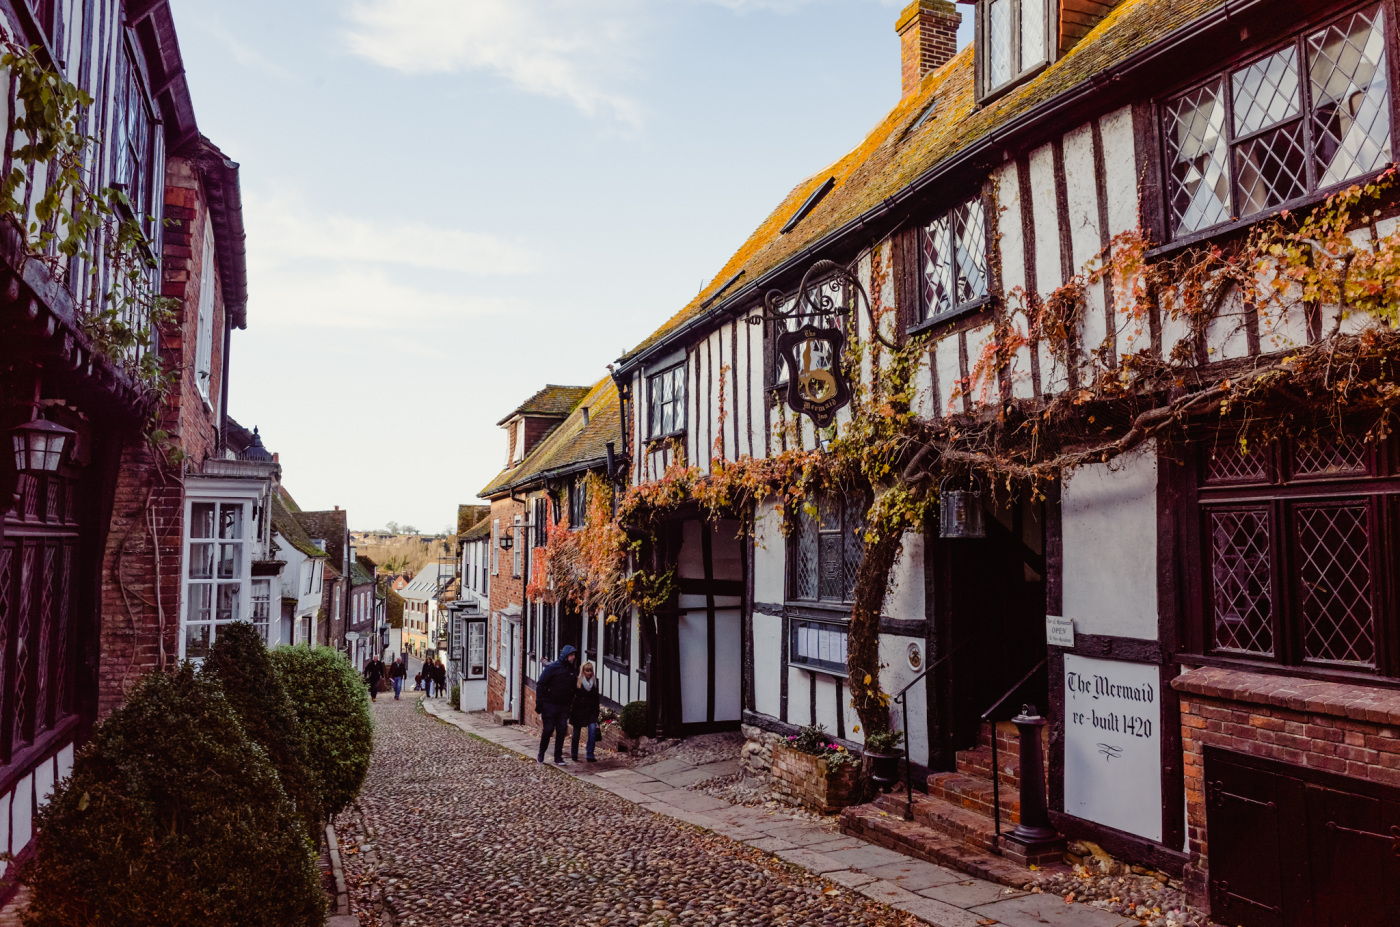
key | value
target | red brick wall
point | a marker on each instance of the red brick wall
(505, 591)
(928, 39)
(1343, 729)
(140, 591)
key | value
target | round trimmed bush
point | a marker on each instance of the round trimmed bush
(633, 719)
(172, 817)
(239, 663)
(331, 703)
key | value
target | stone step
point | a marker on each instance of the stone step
(971, 827)
(978, 763)
(976, 794)
(882, 822)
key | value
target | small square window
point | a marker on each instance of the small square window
(1014, 42)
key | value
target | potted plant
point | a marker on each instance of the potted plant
(883, 751)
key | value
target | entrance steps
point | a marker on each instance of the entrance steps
(952, 821)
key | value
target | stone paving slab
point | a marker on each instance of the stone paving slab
(814, 862)
(867, 857)
(969, 893)
(889, 893)
(772, 844)
(850, 878)
(916, 875)
(942, 914)
(1040, 910)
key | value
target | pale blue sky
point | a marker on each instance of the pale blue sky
(450, 203)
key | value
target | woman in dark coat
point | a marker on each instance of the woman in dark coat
(584, 712)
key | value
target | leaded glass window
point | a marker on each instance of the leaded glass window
(666, 402)
(1307, 116)
(1014, 41)
(827, 541)
(1298, 554)
(578, 503)
(953, 261)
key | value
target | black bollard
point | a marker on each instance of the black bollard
(1033, 840)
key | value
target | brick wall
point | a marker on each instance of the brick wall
(928, 39)
(505, 590)
(1347, 730)
(141, 571)
(802, 779)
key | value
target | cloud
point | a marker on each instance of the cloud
(286, 229)
(554, 48)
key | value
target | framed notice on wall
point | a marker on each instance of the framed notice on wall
(1113, 744)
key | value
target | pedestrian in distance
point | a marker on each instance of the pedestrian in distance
(374, 671)
(427, 678)
(584, 713)
(440, 677)
(554, 696)
(397, 672)
(417, 682)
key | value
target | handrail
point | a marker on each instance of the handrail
(996, 766)
(901, 697)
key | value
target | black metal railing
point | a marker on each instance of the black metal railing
(902, 697)
(996, 768)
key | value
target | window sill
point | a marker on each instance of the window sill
(1002, 90)
(1298, 689)
(826, 669)
(961, 312)
(1226, 228)
(669, 436)
(617, 666)
(822, 611)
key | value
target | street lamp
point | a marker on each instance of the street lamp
(39, 445)
(507, 542)
(960, 511)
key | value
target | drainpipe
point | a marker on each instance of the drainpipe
(223, 384)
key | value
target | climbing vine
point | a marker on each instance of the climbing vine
(1110, 398)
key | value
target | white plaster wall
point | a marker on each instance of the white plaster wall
(1085, 236)
(769, 554)
(1109, 518)
(799, 705)
(767, 664)
(949, 369)
(924, 403)
(44, 781)
(1047, 223)
(895, 674)
(905, 599)
(1011, 241)
(1121, 166)
(22, 813)
(985, 388)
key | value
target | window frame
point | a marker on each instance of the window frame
(679, 400)
(204, 320)
(243, 580)
(578, 502)
(470, 626)
(846, 532)
(1296, 39)
(618, 634)
(985, 90)
(1281, 492)
(798, 625)
(921, 319)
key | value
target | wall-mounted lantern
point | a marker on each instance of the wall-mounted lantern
(960, 511)
(39, 446)
(507, 542)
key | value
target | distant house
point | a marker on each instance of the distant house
(422, 598)
(302, 576)
(360, 636)
(331, 532)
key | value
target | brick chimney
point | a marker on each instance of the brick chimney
(928, 39)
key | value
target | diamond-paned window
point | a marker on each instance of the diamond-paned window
(1014, 41)
(1241, 600)
(1311, 114)
(1334, 576)
(1296, 560)
(953, 261)
(828, 543)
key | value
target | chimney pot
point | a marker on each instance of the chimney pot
(928, 39)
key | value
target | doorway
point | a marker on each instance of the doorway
(988, 627)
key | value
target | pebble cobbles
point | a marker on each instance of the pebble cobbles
(450, 829)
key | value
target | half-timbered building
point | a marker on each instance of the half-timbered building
(1231, 677)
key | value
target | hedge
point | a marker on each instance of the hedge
(331, 702)
(633, 719)
(172, 816)
(239, 662)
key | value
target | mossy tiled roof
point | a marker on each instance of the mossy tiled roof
(573, 444)
(359, 576)
(552, 400)
(481, 529)
(894, 154)
(469, 515)
(285, 523)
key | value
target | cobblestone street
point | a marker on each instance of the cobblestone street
(451, 829)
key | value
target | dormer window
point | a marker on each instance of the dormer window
(1014, 41)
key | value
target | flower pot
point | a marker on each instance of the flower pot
(884, 767)
(809, 781)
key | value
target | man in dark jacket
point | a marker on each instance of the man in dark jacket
(554, 695)
(374, 671)
(397, 672)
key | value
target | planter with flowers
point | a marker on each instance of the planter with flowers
(811, 770)
(883, 751)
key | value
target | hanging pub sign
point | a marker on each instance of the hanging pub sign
(809, 340)
(816, 386)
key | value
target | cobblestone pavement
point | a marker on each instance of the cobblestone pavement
(451, 829)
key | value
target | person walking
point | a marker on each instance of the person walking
(417, 681)
(554, 696)
(440, 677)
(428, 678)
(397, 672)
(374, 671)
(584, 713)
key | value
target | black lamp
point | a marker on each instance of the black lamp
(960, 511)
(39, 446)
(507, 542)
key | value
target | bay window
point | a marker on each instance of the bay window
(217, 567)
(1309, 115)
(474, 666)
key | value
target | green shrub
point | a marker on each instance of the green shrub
(634, 719)
(172, 816)
(332, 707)
(240, 664)
(454, 698)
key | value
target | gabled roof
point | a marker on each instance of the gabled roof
(429, 581)
(574, 445)
(898, 166)
(359, 576)
(469, 515)
(553, 400)
(285, 523)
(393, 608)
(476, 532)
(329, 527)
